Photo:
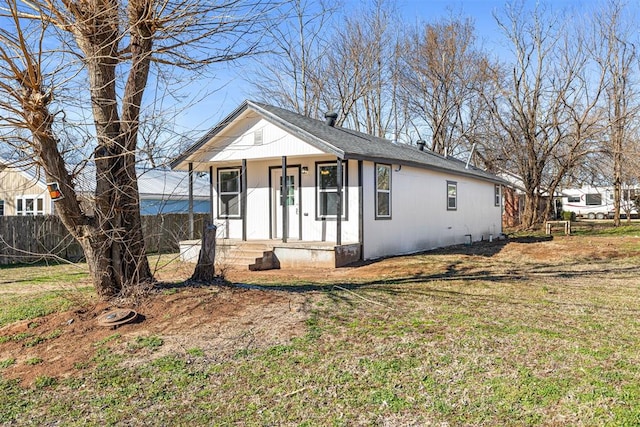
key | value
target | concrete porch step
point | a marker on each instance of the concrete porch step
(268, 261)
(240, 255)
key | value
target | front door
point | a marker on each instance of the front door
(290, 202)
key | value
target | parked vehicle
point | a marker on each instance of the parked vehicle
(597, 202)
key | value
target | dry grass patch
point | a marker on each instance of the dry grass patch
(525, 332)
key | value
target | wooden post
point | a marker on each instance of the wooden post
(191, 201)
(243, 198)
(360, 211)
(283, 201)
(339, 203)
(211, 195)
(205, 268)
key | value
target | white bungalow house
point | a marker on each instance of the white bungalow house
(345, 193)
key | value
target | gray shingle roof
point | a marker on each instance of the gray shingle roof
(344, 143)
(168, 183)
(153, 183)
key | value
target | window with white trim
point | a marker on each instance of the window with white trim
(327, 190)
(29, 205)
(452, 195)
(498, 198)
(383, 191)
(229, 193)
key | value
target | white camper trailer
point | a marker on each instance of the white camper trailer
(597, 202)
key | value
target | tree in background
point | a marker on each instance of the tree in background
(290, 73)
(614, 50)
(442, 72)
(321, 62)
(540, 108)
(361, 68)
(103, 53)
(555, 111)
(580, 122)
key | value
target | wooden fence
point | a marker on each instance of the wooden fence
(36, 238)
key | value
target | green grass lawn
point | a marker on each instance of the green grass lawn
(493, 340)
(31, 291)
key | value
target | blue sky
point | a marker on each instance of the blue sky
(234, 89)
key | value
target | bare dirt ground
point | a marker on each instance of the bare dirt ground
(222, 320)
(217, 320)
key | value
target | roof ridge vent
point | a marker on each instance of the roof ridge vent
(330, 118)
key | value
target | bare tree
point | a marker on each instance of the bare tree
(442, 73)
(350, 67)
(106, 48)
(361, 70)
(289, 74)
(541, 109)
(579, 113)
(615, 52)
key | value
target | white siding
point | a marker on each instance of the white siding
(239, 142)
(319, 230)
(258, 198)
(259, 208)
(419, 216)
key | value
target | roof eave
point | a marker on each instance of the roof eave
(375, 159)
(207, 136)
(274, 118)
(309, 138)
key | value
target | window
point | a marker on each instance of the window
(497, 199)
(1, 207)
(327, 190)
(228, 193)
(452, 195)
(289, 194)
(594, 199)
(383, 191)
(573, 199)
(30, 205)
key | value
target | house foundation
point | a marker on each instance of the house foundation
(263, 255)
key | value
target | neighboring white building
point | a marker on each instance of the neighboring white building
(598, 202)
(23, 191)
(395, 198)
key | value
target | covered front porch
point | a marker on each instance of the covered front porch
(274, 253)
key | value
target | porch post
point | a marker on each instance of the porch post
(211, 201)
(190, 201)
(283, 200)
(360, 210)
(339, 204)
(243, 199)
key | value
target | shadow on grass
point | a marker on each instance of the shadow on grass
(454, 271)
(417, 286)
(483, 248)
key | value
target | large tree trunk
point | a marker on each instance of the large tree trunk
(112, 239)
(530, 213)
(205, 269)
(117, 198)
(617, 173)
(115, 40)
